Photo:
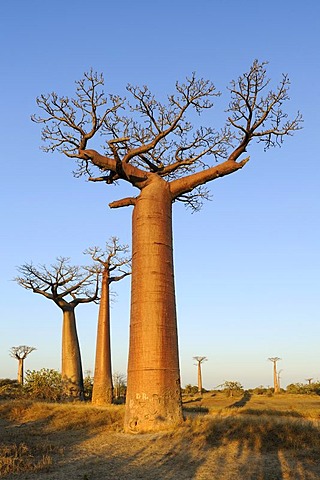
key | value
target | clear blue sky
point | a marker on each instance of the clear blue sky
(247, 266)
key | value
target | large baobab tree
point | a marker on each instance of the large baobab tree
(67, 286)
(115, 265)
(21, 353)
(200, 361)
(276, 385)
(153, 146)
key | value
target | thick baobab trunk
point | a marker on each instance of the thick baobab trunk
(102, 385)
(153, 393)
(199, 378)
(71, 368)
(20, 370)
(275, 378)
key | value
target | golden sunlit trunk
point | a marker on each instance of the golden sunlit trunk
(153, 393)
(102, 385)
(20, 371)
(199, 378)
(275, 378)
(71, 369)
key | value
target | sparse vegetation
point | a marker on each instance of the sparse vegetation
(269, 437)
(304, 389)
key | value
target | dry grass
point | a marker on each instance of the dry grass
(243, 438)
(34, 434)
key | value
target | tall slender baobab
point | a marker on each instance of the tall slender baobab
(21, 353)
(67, 286)
(166, 160)
(276, 387)
(114, 265)
(199, 361)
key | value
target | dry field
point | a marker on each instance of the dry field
(246, 438)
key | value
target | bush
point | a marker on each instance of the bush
(88, 386)
(232, 388)
(304, 389)
(45, 384)
(9, 388)
(190, 389)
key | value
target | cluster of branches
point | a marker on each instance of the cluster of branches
(61, 282)
(145, 136)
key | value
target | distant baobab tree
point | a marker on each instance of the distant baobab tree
(279, 378)
(152, 145)
(276, 386)
(199, 361)
(115, 265)
(309, 380)
(21, 353)
(119, 381)
(67, 286)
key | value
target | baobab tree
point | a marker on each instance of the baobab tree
(309, 380)
(67, 286)
(154, 147)
(115, 265)
(199, 361)
(276, 386)
(21, 353)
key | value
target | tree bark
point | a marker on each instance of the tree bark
(275, 378)
(153, 393)
(20, 370)
(102, 392)
(71, 368)
(199, 378)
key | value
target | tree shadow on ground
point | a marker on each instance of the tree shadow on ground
(242, 402)
(241, 446)
(263, 447)
(192, 400)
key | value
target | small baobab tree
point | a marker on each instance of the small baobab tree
(152, 146)
(67, 286)
(21, 353)
(200, 361)
(276, 386)
(309, 380)
(115, 265)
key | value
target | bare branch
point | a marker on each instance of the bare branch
(21, 352)
(113, 259)
(124, 202)
(148, 137)
(59, 282)
(256, 114)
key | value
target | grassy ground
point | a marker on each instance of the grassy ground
(249, 437)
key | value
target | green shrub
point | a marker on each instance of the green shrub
(304, 389)
(232, 388)
(45, 384)
(88, 386)
(190, 389)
